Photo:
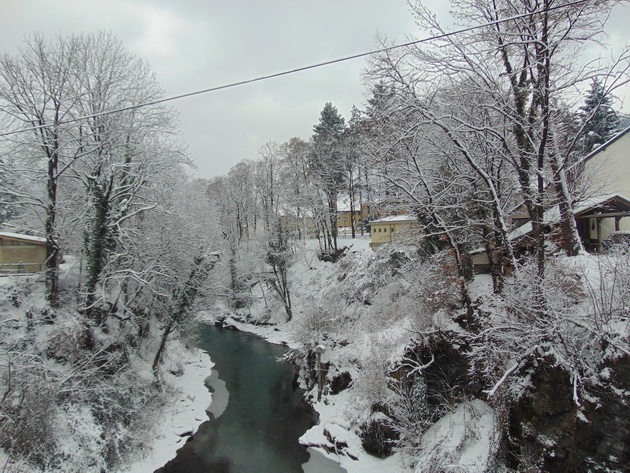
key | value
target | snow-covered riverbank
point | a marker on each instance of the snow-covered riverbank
(311, 278)
(331, 423)
(369, 318)
(184, 371)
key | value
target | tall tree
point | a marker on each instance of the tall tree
(516, 72)
(120, 153)
(37, 91)
(328, 167)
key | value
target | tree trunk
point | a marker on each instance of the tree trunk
(158, 355)
(97, 239)
(52, 247)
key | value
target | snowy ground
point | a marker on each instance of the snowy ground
(311, 280)
(183, 372)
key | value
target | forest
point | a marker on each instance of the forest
(529, 358)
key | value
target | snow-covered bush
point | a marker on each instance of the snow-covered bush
(371, 384)
(409, 410)
(436, 283)
(70, 340)
(607, 282)
(579, 320)
(27, 406)
(318, 323)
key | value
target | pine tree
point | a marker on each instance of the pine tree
(328, 167)
(598, 117)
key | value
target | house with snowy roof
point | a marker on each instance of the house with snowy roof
(605, 214)
(21, 253)
(399, 228)
(607, 167)
(602, 217)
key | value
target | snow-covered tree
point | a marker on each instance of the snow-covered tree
(515, 67)
(37, 91)
(599, 119)
(328, 169)
(122, 154)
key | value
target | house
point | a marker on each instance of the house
(394, 228)
(606, 174)
(605, 212)
(601, 219)
(21, 253)
(607, 168)
(368, 212)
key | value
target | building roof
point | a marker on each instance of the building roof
(613, 201)
(20, 236)
(552, 215)
(603, 147)
(396, 218)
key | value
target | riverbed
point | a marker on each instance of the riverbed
(256, 416)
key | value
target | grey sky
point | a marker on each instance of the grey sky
(197, 44)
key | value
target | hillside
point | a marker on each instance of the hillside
(396, 366)
(79, 398)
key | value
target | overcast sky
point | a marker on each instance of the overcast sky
(197, 44)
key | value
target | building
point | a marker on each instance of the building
(607, 168)
(603, 218)
(21, 253)
(368, 212)
(606, 175)
(599, 218)
(395, 228)
(346, 217)
(605, 213)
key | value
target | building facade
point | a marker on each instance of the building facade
(21, 253)
(399, 228)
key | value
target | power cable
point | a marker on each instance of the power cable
(299, 69)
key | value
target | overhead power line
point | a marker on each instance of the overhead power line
(300, 69)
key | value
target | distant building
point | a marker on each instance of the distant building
(368, 212)
(345, 218)
(21, 253)
(395, 228)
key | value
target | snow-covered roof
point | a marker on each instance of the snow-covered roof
(596, 201)
(552, 215)
(20, 236)
(603, 147)
(396, 218)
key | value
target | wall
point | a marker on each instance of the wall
(12, 252)
(387, 231)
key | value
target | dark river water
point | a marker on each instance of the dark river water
(256, 415)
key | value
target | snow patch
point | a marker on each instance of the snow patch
(467, 438)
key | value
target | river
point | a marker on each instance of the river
(256, 414)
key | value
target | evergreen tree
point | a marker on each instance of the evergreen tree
(331, 123)
(599, 119)
(328, 167)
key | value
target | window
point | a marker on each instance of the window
(392, 230)
(385, 229)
